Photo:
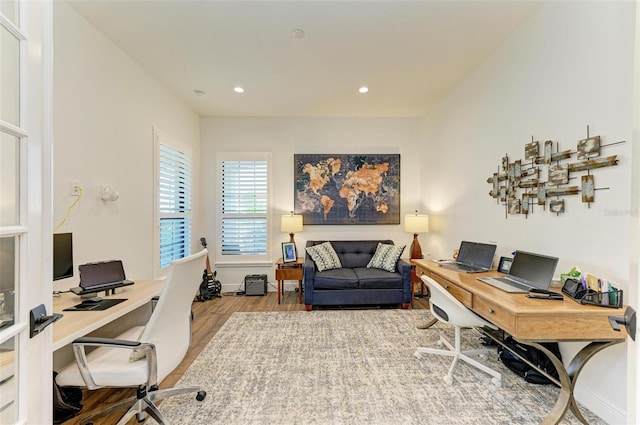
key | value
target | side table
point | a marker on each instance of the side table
(289, 271)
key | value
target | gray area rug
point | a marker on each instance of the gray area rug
(348, 367)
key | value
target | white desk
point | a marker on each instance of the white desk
(75, 324)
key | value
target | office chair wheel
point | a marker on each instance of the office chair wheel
(201, 395)
(447, 379)
(417, 355)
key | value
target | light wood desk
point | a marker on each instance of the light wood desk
(75, 324)
(533, 321)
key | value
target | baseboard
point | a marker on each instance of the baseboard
(608, 412)
(239, 287)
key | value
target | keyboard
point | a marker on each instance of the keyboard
(505, 284)
(463, 267)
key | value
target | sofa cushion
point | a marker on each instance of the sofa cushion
(324, 256)
(371, 278)
(336, 279)
(386, 257)
(355, 253)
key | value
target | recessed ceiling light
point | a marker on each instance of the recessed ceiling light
(297, 33)
(363, 89)
(238, 89)
(199, 92)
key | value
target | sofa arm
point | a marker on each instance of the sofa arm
(404, 268)
(308, 274)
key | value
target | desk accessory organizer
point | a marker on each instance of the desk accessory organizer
(575, 290)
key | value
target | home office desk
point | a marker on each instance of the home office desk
(75, 324)
(533, 321)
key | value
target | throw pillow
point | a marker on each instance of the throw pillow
(324, 256)
(386, 257)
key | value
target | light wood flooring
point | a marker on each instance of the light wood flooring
(209, 316)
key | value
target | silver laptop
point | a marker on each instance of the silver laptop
(473, 257)
(528, 271)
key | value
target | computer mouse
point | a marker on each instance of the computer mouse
(92, 300)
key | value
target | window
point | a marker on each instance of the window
(173, 201)
(243, 207)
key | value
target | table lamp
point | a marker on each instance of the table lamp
(291, 223)
(416, 223)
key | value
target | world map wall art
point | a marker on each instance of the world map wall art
(347, 188)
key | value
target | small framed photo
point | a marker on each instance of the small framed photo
(505, 264)
(289, 253)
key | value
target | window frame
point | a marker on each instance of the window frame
(244, 260)
(162, 138)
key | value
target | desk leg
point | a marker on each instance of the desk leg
(568, 378)
(428, 324)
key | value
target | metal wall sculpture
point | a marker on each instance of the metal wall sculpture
(519, 185)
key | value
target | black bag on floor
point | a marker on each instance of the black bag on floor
(533, 355)
(67, 402)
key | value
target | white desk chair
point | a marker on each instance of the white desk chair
(163, 342)
(447, 309)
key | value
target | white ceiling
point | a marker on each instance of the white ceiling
(409, 53)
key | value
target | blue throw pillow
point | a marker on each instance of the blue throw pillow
(386, 257)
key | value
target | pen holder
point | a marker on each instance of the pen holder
(575, 291)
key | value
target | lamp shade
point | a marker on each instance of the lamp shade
(291, 223)
(416, 223)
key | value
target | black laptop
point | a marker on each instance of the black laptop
(473, 257)
(101, 276)
(528, 271)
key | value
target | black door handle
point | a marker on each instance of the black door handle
(629, 322)
(40, 320)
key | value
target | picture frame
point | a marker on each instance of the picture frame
(289, 253)
(505, 264)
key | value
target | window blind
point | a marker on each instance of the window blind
(174, 204)
(244, 207)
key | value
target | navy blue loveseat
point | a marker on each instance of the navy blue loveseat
(354, 283)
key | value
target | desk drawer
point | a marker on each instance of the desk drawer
(460, 294)
(495, 314)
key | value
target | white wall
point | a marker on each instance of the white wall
(105, 106)
(633, 396)
(570, 66)
(285, 137)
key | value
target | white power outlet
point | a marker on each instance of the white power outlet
(74, 188)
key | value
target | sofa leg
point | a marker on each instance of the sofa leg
(405, 306)
(308, 307)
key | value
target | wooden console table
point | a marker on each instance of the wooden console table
(533, 321)
(289, 271)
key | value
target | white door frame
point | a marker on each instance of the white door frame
(33, 359)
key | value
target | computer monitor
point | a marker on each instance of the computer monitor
(62, 255)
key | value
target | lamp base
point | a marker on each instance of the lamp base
(416, 251)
